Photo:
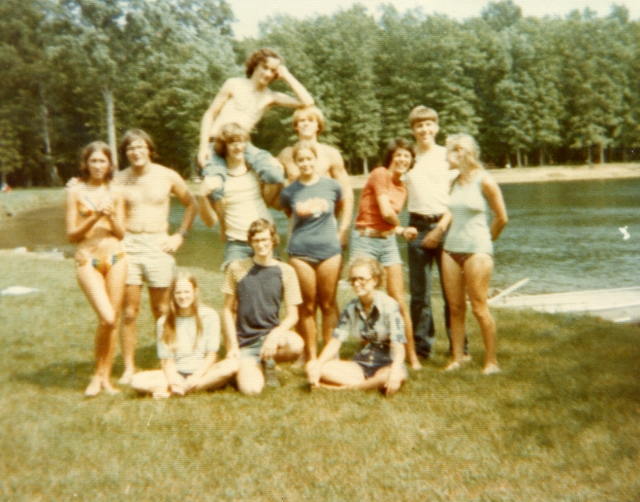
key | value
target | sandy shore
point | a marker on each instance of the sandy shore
(542, 174)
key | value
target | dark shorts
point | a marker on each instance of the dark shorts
(371, 358)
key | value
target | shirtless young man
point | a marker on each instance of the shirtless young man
(308, 124)
(147, 189)
(244, 101)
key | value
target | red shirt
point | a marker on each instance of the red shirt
(379, 183)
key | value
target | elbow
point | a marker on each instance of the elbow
(73, 239)
(502, 221)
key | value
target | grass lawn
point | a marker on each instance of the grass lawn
(562, 422)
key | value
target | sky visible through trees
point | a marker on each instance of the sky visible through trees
(533, 91)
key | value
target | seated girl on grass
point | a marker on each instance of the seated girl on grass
(375, 318)
(188, 342)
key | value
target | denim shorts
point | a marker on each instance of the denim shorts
(252, 351)
(235, 250)
(385, 250)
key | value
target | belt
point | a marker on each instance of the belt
(426, 218)
(376, 234)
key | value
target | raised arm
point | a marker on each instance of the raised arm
(209, 117)
(303, 98)
(493, 194)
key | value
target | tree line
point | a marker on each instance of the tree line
(533, 91)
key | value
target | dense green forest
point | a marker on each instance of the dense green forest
(533, 91)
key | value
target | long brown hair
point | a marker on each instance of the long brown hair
(169, 329)
(89, 150)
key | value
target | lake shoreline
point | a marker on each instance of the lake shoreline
(21, 200)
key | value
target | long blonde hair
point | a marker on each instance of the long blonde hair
(169, 329)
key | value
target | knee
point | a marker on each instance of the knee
(131, 313)
(251, 388)
(457, 309)
(307, 309)
(159, 310)
(108, 321)
(329, 306)
(481, 311)
(296, 345)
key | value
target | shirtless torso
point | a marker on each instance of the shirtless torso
(147, 197)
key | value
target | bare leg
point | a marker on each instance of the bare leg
(454, 282)
(115, 287)
(218, 208)
(250, 377)
(131, 309)
(290, 347)
(307, 310)
(395, 289)
(478, 270)
(93, 284)
(342, 373)
(150, 382)
(328, 275)
(218, 375)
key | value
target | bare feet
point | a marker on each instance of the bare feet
(109, 389)
(453, 366)
(126, 377)
(94, 388)
(490, 369)
(161, 394)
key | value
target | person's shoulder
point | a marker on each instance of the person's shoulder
(285, 267)
(77, 189)
(286, 153)
(329, 150)
(206, 312)
(119, 177)
(384, 301)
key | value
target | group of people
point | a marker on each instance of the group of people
(121, 227)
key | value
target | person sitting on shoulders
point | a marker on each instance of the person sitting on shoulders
(254, 290)
(244, 101)
(375, 318)
(188, 342)
(242, 203)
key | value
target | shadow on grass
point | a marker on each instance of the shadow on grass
(75, 375)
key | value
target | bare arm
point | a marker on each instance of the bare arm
(181, 191)
(492, 193)
(339, 173)
(396, 375)
(314, 367)
(177, 382)
(229, 323)
(387, 212)
(76, 232)
(433, 238)
(208, 361)
(303, 98)
(209, 117)
(290, 168)
(117, 216)
(270, 345)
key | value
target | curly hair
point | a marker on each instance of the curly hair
(375, 267)
(261, 225)
(257, 57)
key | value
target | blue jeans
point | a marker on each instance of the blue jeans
(420, 264)
(259, 160)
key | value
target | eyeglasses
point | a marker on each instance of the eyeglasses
(360, 280)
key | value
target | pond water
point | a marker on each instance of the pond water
(562, 236)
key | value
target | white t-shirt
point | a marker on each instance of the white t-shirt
(243, 204)
(429, 182)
